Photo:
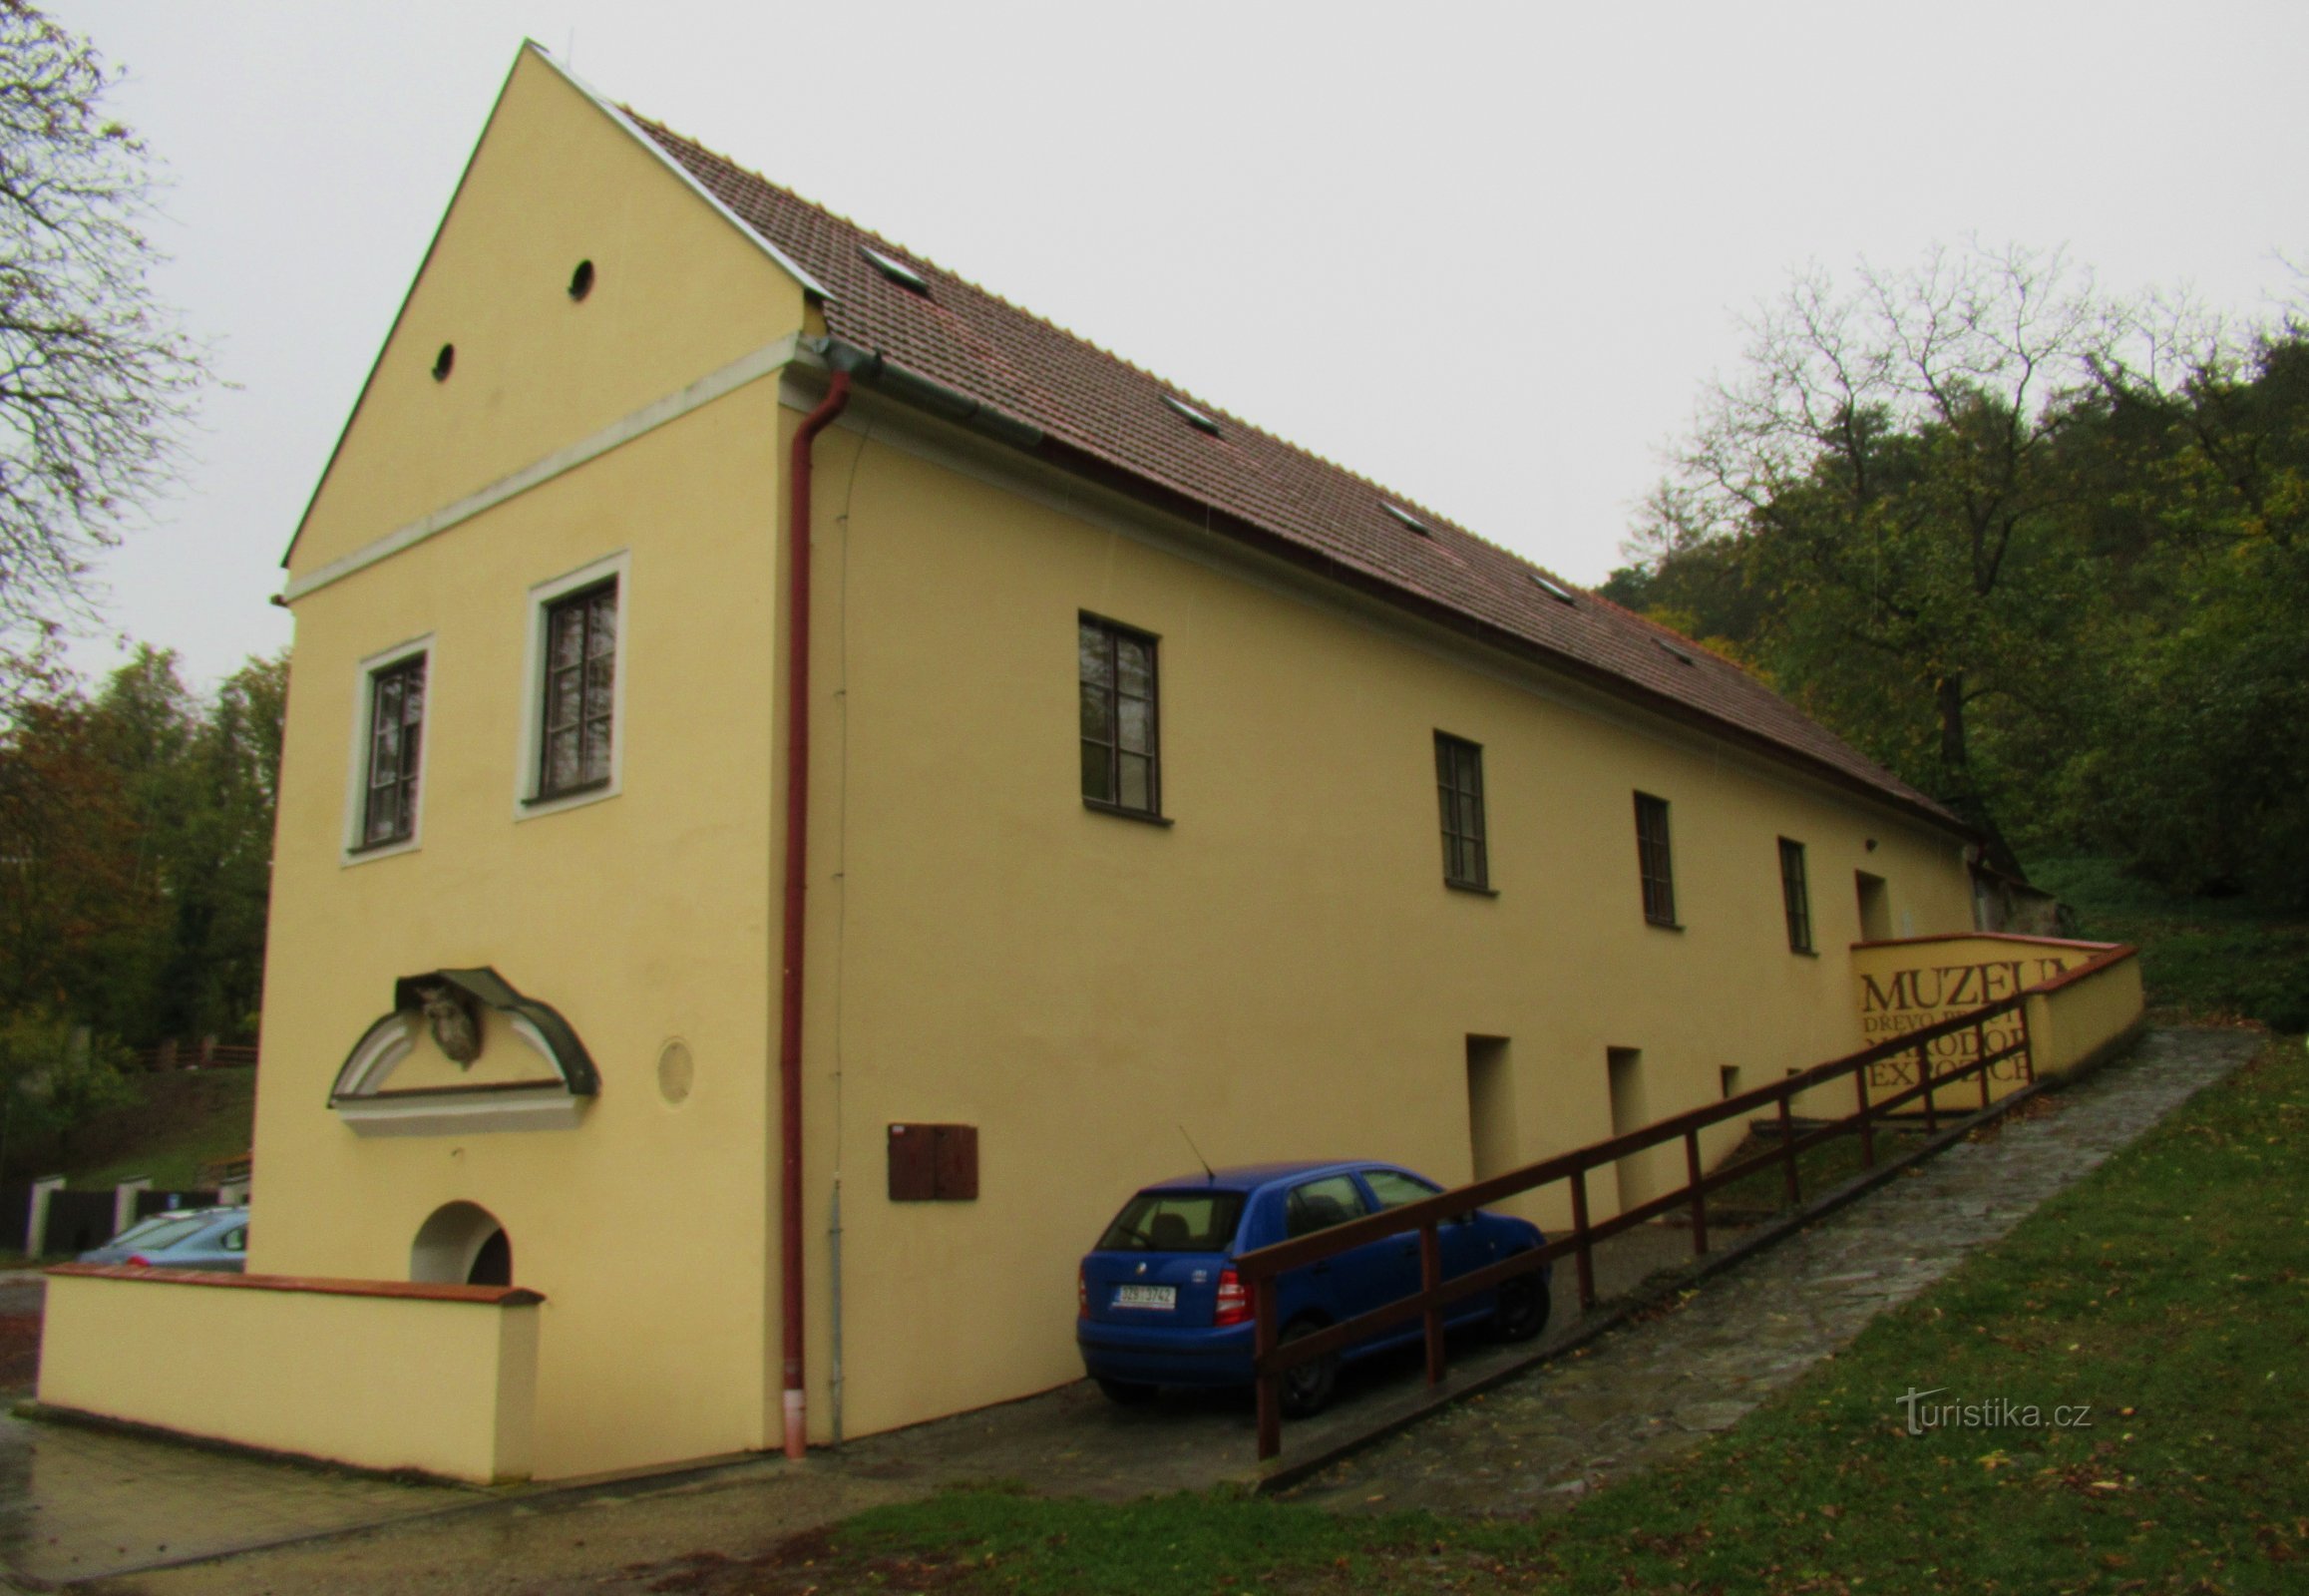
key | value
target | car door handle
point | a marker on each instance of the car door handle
(1319, 1268)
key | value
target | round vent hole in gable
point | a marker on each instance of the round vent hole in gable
(445, 362)
(581, 280)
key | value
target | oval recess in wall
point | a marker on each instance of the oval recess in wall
(676, 1071)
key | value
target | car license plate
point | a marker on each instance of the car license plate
(1163, 1296)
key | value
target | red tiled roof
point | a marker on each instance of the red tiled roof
(1109, 417)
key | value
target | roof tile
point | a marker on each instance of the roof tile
(1102, 406)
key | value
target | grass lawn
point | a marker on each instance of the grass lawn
(2167, 1294)
(181, 1120)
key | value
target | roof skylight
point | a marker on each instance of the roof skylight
(1670, 648)
(895, 270)
(1553, 588)
(1195, 418)
(1407, 519)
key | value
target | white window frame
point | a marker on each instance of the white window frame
(527, 805)
(357, 766)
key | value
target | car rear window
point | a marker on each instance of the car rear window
(1175, 1222)
(156, 1231)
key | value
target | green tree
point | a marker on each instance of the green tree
(54, 1075)
(2196, 770)
(136, 831)
(223, 856)
(1885, 473)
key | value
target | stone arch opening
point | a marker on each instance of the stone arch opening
(461, 1244)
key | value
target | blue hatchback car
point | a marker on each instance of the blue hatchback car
(1160, 1302)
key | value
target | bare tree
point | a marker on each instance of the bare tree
(97, 381)
(1886, 452)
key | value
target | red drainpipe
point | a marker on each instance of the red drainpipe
(797, 851)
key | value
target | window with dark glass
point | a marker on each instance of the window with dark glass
(396, 739)
(1460, 790)
(1796, 896)
(1320, 1204)
(1121, 769)
(1653, 860)
(580, 692)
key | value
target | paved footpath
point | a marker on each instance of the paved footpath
(1662, 1385)
(75, 1504)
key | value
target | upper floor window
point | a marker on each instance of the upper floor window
(574, 728)
(1460, 790)
(580, 692)
(1653, 861)
(1795, 895)
(1121, 769)
(396, 738)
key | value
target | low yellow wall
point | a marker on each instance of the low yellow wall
(2074, 1017)
(438, 1380)
(2083, 995)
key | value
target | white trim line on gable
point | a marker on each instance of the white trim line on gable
(771, 357)
(786, 261)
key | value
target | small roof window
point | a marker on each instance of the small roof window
(1195, 418)
(1670, 648)
(1553, 588)
(1407, 519)
(895, 270)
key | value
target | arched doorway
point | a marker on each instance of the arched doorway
(461, 1244)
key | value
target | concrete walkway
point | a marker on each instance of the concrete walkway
(76, 1503)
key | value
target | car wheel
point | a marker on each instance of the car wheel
(1307, 1388)
(1522, 1310)
(1128, 1393)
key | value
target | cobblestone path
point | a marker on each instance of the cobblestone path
(1659, 1387)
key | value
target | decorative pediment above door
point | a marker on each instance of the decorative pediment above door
(461, 1051)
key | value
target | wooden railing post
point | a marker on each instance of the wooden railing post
(1430, 1280)
(2028, 1046)
(1579, 1231)
(1924, 1078)
(1698, 1197)
(1787, 1157)
(1867, 1120)
(1980, 1057)
(1261, 1347)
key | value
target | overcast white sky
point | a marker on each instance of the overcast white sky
(1486, 255)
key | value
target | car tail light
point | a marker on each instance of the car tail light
(138, 1261)
(1234, 1299)
(1082, 1293)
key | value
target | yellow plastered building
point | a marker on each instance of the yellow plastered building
(1158, 774)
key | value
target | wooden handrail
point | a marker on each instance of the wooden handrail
(1287, 1255)
(1260, 1269)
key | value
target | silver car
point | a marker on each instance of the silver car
(190, 1238)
